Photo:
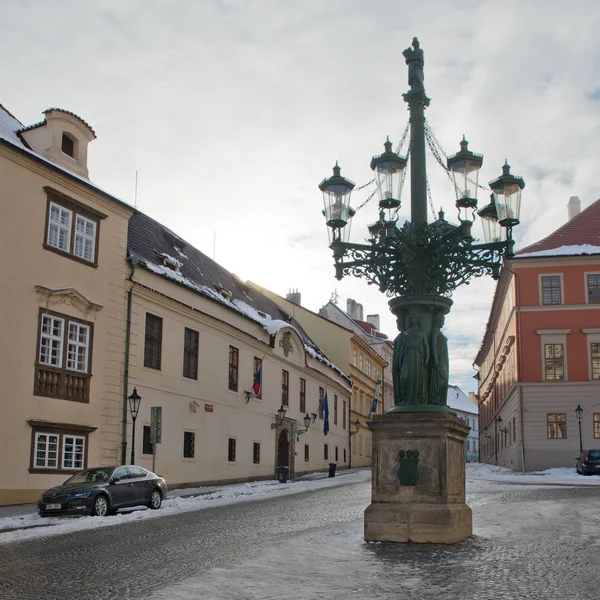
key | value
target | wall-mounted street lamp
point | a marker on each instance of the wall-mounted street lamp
(307, 421)
(356, 426)
(279, 417)
(134, 408)
(579, 415)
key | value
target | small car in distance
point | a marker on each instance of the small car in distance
(588, 462)
(102, 491)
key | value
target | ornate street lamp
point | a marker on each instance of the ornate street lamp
(307, 421)
(417, 263)
(279, 417)
(579, 415)
(134, 408)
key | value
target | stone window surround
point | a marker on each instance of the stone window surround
(540, 289)
(587, 291)
(554, 336)
(77, 208)
(60, 429)
(592, 337)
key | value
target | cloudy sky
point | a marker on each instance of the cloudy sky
(232, 111)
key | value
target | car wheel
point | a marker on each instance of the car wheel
(155, 499)
(100, 508)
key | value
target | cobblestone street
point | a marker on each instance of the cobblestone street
(532, 542)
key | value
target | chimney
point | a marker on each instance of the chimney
(574, 206)
(374, 320)
(294, 296)
(354, 309)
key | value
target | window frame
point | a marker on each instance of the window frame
(285, 387)
(553, 337)
(325, 451)
(231, 450)
(560, 288)
(344, 414)
(190, 354)
(596, 425)
(59, 388)
(556, 363)
(587, 276)
(61, 431)
(149, 363)
(553, 419)
(189, 436)
(302, 395)
(146, 437)
(233, 375)
(335, 409)
(76, 209)
(256, 453)
(306, 453)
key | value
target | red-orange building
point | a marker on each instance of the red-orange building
(540, 356)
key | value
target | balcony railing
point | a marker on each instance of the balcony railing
(62, 383)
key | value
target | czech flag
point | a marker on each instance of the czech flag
(257, 385)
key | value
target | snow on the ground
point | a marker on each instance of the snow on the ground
(480, 478)
(34, 526)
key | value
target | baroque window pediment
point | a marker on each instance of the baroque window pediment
(68, 296)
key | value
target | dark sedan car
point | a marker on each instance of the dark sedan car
(588, 462)
(103, 490)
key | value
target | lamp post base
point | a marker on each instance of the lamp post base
(418, 487)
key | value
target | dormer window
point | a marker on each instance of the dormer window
(68, 144)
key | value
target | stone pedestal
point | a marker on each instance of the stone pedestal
(418, 488)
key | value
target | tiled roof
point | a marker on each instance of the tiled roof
(581, 230)
(154, 245)
(68, 112)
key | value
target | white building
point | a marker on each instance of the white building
(464, 408)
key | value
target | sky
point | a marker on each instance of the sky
(232, 111)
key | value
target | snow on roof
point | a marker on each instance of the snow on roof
(458, 400)
(564, 251)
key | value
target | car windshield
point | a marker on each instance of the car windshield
(89, 476)
(594, 455)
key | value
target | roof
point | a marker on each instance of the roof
(458, 400)
(580, 235)
(68, 112)
(10, 127)
(156, 247)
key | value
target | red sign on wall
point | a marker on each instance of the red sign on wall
(208, 408)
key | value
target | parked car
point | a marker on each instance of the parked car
(103, 490)
(588, 462)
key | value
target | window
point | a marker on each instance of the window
(514, 428)
(368, 372)
(231, 449)
(257, 366)
(360, 362)
(595, 356)
(344, 414)
(256, 453)
(597, 426)
(335, 412)
(467, 422)
(64, 354)
(153, 342)
(306, 453)
(71, 228)
(285, 387)
(68, 145)
(233, 368)
(189, 444)
(302, 395)
(360, 444)
(551, 292)
(557, 426)
(554, 368)
(593, 285)
(321, 395)
(344, 455)
(326, 451)
(190, 353)
(337, 454)
(146, 437)
(58, 447)
(468, 446)
(354, 354)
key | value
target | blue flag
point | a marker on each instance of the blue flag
(325, 408)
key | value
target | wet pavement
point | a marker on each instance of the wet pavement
(530, 543)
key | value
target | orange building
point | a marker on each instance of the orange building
(540, 356)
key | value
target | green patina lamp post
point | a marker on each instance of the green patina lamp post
(420, 264)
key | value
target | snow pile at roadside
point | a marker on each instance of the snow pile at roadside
(559, 476)
(34, 526)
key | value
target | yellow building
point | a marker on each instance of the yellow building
(347, 349)
(63, 271)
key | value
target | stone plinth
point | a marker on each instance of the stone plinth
(418, 498)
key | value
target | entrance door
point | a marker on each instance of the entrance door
(283, 450)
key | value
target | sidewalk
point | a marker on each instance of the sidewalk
(19, 510)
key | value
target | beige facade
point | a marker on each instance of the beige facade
(210, 433)
(63, 270)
